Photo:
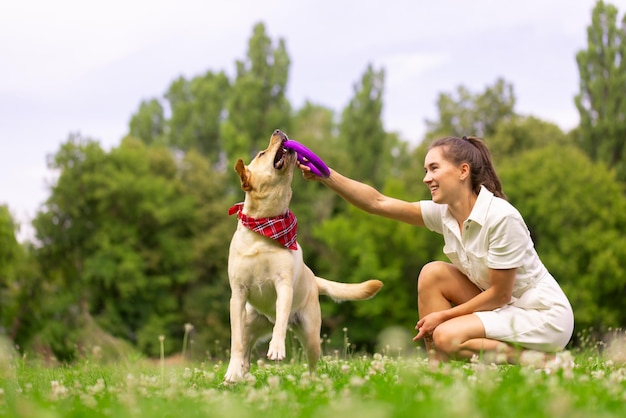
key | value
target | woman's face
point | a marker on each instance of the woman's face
(443, 178)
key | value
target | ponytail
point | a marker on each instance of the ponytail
(473, 151)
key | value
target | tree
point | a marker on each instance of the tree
(359, 247)
(523, 133)
(10, 257)
(473, 114)
(258, 103)
(205, 301)
(315, 127)
(576, 212)
(361, 130)
(148, 123)
(197, 107)
(601, 103)
(117, 234)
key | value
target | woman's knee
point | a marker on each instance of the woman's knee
(430, 275)
(446, 340)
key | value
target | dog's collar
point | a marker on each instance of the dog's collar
(282, 228)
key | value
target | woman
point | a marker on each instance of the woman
(495, 297)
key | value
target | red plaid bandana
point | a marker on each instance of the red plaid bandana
(280, 228)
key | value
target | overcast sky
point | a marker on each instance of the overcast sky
(84, 66)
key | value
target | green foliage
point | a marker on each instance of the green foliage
(314, 126)
(11, 257)
(518, 134)
(257, 103)
(585, 384)
(9, 247)
(361, 130)
(600, 102)
(148, 123)
(359, 247)
(575, 210)
(473, 114)
(133, 242)
(197, 107)
(129, 225)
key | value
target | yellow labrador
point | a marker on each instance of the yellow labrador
(271, 286)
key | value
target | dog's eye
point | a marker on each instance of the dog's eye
(261, 153)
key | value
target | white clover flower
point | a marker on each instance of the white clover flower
(250, 379)
(58, 390)
(98, 387)
(273, 381)
(598, 374)
(88, 400)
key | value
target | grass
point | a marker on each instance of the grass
(580, 383)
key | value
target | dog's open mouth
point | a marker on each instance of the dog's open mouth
(279, 158)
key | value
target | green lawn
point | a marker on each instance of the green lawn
(577, 384)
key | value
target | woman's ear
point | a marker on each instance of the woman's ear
(465, 171)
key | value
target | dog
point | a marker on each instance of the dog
(271, 287)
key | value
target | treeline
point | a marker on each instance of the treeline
(132, 242)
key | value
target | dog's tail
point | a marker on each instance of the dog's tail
(348, 291)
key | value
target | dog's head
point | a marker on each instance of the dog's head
(267, 179)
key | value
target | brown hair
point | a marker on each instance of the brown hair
(473, 151)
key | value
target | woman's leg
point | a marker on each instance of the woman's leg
(464, 337)
(440, 286)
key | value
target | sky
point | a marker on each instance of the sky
(75, 66)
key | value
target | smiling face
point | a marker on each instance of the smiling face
(445, 180)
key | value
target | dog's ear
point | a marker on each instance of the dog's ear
(244, 175)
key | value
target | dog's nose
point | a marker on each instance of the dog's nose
(281, 134)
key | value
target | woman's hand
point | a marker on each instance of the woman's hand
(426, 326)
(306, 171)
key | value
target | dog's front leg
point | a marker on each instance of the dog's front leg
(236, 367)
(284, 298)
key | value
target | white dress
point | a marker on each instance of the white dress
(539, 315)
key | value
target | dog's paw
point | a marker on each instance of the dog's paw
(276, 350)
(234, 374)
(230, 378)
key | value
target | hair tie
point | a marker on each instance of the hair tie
(464, 138)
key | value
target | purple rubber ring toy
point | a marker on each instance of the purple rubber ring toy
(312, 161)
